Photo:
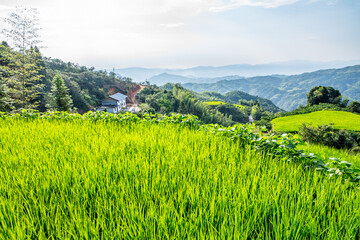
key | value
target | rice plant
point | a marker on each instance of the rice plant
(72, 179)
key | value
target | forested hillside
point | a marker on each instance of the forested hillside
(237, 97)
(26, 81)
(87, 87)
(288, 92)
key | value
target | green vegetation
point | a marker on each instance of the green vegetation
(180, 100)
(328, 136)
(214, 103)
(323, 94)
(329, 152)
(241, 107)
(313, 108)
(339, 119)
(59, 97)
(289, 92)
(26, 81)
(73, 176)
(241, 98)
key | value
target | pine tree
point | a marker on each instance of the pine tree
(60, 99)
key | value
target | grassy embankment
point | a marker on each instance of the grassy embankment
(328, 152)
(340, 119)
(216, 103)
(83, 179)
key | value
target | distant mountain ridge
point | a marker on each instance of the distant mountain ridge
(172, 78)
(288, 92)
(246, 70)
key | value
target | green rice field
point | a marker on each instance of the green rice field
(216, 103)
(339, 119)
(77, 179)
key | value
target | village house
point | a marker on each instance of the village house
(113, 104)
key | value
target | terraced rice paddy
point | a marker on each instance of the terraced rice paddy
(73, 179)
(339, 119)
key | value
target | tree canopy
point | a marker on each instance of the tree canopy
(323, 94)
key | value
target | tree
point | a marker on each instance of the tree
(21, 77)
(323, 94)
(354, 107)
(257, 111)
(22, 28)
(59, 97)
(21, 66)
(235, 112)
(5, 104)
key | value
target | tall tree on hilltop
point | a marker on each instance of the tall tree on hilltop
(22, 28)
(22, 67)
(323, 94)
(59, 98)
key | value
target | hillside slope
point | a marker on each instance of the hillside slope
(339, 119)
(235, 96)
(288, 92)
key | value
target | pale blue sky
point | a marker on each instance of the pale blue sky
(185, 33)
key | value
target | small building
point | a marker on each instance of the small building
(113, 104)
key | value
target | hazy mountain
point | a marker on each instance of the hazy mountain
(247, 70)
(288, 92)
(172, 78)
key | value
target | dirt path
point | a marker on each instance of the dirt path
(132, 102)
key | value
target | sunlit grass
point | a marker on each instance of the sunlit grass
(214, 103)
(339, 119)
(80, 179)
(328, 152)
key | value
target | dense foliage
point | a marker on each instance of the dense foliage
(20, 75)
(87, 87)
(238, 97)
(323, 94)
(328, 136)
(314, 108)
(59, 98)
(180, 100)
(26, 81)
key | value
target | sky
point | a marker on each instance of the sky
(187, 33)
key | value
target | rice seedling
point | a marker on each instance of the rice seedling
(328, 152)
(68, 178)
(339, 119)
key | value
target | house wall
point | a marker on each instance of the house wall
(109, 103)
(117, 106)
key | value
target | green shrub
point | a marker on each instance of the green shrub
(328, 136)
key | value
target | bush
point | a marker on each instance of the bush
(328, 136)
(354, 107)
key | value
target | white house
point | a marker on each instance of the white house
(113, 104)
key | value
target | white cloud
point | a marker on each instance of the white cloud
(253, 3)
(172, 25)
(160, 32)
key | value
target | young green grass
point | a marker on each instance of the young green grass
(340, 119)
(214, 103)
(327, 152)
(91, 180)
